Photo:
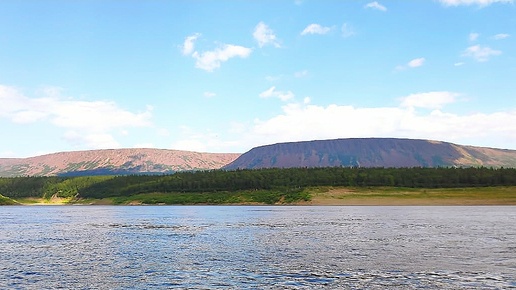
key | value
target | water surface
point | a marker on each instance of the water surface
(249, 247)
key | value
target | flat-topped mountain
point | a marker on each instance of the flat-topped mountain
(372, 152)
(113, 161)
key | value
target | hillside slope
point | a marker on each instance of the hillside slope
(113, 161)
(372, 152)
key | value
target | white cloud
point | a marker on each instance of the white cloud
(190, 145)
(207, 141)
(376, 5)
(273, 93)
(480, 53)
(92, 140)
(315, 29)
(264, 35)
(347, 30)
(481, 3)
(209, 94)
(458, 64)
(501, 36)
(473, 36)
(431, 100)
(210, 60)
(189, 46)
(89, 123)
(416, 62)
(311, 122)
(97, 116)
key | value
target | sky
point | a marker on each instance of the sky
(230, 75)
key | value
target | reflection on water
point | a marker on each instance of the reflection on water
(99, 247)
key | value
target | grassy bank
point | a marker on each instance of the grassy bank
(237, 197)
(6, 201)
(413, 196)
(311, 196)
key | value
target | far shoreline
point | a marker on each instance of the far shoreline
(324, 196)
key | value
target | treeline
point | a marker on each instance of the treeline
(46, 187)
(292, 179)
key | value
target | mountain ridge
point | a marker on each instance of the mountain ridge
(372, 152)
(114, 161)
(347, 152)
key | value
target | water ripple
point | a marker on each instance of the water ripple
(258, 248)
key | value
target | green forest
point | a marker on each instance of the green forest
(260, 185)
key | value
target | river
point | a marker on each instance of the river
(257, 247)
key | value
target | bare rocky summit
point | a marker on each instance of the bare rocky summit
(372, 152)
(113, 161)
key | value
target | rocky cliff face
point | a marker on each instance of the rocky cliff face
(113, 161)
(372, 152)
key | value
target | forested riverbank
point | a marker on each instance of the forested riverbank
(263, 186)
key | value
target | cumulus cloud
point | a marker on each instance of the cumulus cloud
(95, 140)
(481, 3)
(301, 122)
(189, 44)
(376, 5)
(315, 29)
(206, 141)
(264, 35)
(210, 60)
(89, 123)
(431, 100)
(501, 36)
(98, 116)
(273, 93)
(480, 53)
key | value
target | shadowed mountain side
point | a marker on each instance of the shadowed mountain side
(113, 161)
(372, 152)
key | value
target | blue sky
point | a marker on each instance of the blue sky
(226, 76)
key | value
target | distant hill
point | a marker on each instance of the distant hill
(113, 161)
(372, 152)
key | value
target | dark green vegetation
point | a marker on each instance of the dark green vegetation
(219, 197)
(269, 186)
(6, 201)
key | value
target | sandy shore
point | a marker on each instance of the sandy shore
(414, 197)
